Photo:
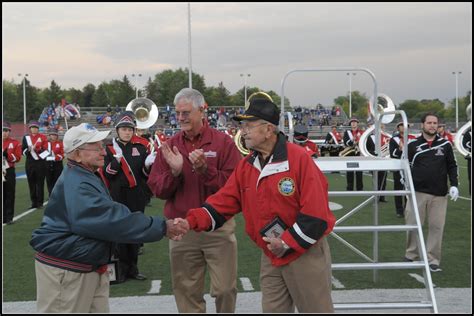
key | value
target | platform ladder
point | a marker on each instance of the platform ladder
(374, 164)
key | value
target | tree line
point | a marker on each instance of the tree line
(164, 86)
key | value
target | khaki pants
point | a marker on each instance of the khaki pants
(63, 291)
(435, 208)
(190, 257)
(305, 282)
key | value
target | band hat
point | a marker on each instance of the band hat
(82, 134)
(53, 131)
(260, 108)
(33, 124)
(353, 119)
(126, 119)
(7, 125)
(399, 123)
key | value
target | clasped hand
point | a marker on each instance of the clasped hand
(198, 160)
(176, 228)
(275, 245)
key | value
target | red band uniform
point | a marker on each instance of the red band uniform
(11, 153)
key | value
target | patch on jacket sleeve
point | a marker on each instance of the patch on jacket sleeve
(286, 186)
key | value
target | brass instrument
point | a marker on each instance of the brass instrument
(238, 139)
(349, 151)
(384, 149)
(466, 128)
(145, 110)
(387, 106)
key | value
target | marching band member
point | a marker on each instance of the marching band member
(443, 133)
(384, 140)
(35, 148)
(54, 160)
(300, 137)
(351, 139)
(11, 154)
(126, 170)
(396, 151)
(333, 138)
(466, 142)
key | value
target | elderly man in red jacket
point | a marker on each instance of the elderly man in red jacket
(284, 200)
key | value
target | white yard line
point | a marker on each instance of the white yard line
(155, 287)
(337, 284)
(246, 284)
(419, 278)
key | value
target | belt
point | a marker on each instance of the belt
(69, 265)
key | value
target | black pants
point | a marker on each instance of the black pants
(127, 254)
(381, 182)
(469, 173)
(53, 171)
(400, 201)
(36, 173)
(9, 195)
(350, 180)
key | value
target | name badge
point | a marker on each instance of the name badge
(210, 154)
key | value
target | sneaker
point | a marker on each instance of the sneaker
(405, 259)
(435, 268)
(400, 215)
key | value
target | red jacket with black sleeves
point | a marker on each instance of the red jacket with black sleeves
(290, 186)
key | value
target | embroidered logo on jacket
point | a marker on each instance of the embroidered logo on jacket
(286, 186)
(135, 152)
(439, 151)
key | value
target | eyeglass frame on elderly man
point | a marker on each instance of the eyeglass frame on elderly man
(246, 129)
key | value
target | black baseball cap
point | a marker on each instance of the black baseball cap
(260, 109)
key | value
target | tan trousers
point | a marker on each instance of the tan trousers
(433, 207)
(189, 259)
(305, 282)
(63, 291)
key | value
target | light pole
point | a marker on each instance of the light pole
(457, 117)
(136, 84)
(350, 92)
(245, 87)
(24, 97)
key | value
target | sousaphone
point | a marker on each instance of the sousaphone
(466, 128)
(385, 104)
(145, 110)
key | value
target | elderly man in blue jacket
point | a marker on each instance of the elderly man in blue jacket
(81, 223)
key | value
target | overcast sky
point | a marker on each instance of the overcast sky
(412, 48)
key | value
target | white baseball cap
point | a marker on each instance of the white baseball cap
(82, 134)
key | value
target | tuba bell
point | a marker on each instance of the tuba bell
(462, 147)
(385, 104)
(238, 139)
(145, 110)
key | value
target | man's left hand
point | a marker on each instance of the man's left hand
(276, 246)
(198, 160)
(454, 193)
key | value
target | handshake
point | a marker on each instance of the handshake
(176, 228)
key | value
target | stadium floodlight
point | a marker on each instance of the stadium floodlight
(350, 92)
(136, 84)
(457, 105)
(245, 87)
(24, 97)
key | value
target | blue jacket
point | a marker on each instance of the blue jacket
(81, 222)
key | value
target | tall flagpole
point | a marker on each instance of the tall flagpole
(189, 47)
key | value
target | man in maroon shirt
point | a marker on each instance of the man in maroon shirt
(189, 167)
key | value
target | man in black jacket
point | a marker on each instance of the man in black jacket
(432, 161)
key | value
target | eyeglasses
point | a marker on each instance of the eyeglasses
(184, 114)
(246, 128)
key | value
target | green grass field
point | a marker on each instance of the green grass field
(18, 263)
